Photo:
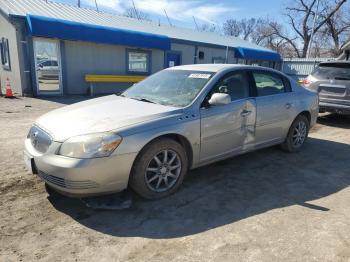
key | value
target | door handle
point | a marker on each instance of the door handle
(245, 113)
(289, 105)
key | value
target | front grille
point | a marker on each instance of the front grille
(67, 183)
(39, 139)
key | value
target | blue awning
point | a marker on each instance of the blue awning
(255, 54)
(67, 30)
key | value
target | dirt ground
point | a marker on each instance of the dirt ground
(262, 206)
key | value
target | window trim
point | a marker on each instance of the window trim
(149, 62)
(5, 54)
(287, 86)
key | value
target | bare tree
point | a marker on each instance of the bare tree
(209, 28)
(241, 28)
(134, 13)
(261, 32)
(337, 28)
(300, 16)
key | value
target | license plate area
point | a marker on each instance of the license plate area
(333, 90)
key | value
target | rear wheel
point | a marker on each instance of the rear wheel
(297, 134)
(160, 169)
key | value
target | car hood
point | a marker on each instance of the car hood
(100, 115)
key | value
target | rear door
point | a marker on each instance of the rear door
(228, 128)
(275, 106)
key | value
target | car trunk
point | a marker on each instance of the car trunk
(332, 81)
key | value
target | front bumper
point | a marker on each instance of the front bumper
(334, 107)
(80, 177)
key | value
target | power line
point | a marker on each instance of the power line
(167, 17)
(195, 22)
(136, 12)
(96, 6)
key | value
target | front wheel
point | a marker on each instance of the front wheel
(297, 134)
(159, 169)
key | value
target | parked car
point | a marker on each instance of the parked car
(175, 120)
(332, 81)
(48, 69)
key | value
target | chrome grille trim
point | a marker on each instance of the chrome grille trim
(39, 139)
(67, 183)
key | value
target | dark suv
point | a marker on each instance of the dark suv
(332, 81)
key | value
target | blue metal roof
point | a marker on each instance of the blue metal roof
(71, 13)
(68, 30)
(255, 54)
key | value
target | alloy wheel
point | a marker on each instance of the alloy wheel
(163, 171)
(299, 134)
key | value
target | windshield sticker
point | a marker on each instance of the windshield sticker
(202, 76)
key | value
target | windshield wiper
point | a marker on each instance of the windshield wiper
(143, 100)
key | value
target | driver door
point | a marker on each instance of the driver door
(228, 129)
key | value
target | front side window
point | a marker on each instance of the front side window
(234, 84)
(176, 88)
(5, 54)
(138, 62)
(268, 83)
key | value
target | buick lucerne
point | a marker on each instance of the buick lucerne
(178, 119)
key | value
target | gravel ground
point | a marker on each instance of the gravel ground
(262, 206)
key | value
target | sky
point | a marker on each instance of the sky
(181, 12)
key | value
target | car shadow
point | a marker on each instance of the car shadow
(226, 192)
(334, 120)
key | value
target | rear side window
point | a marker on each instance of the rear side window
(268, 83)
(332, 71)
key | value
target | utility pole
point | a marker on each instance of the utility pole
(79, 3)
(312, 32)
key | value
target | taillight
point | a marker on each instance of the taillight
(305, 83)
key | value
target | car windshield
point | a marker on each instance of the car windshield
(175, 88)
(333, 71)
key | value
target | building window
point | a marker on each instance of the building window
(138, 62)
(5, 54)
(201, 55)
(219, 60)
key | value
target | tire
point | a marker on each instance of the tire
(291, 144)
(152, 177)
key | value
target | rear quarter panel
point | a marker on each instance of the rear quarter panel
(306, 100)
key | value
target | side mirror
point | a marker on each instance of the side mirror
(220, 99)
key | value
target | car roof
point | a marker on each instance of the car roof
(219, 67)
(206, 67)
(336, 62)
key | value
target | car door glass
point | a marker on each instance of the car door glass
(268, 84)
(235, 85)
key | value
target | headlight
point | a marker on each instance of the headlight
(90, 146)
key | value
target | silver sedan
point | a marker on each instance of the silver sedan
(175, 120)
